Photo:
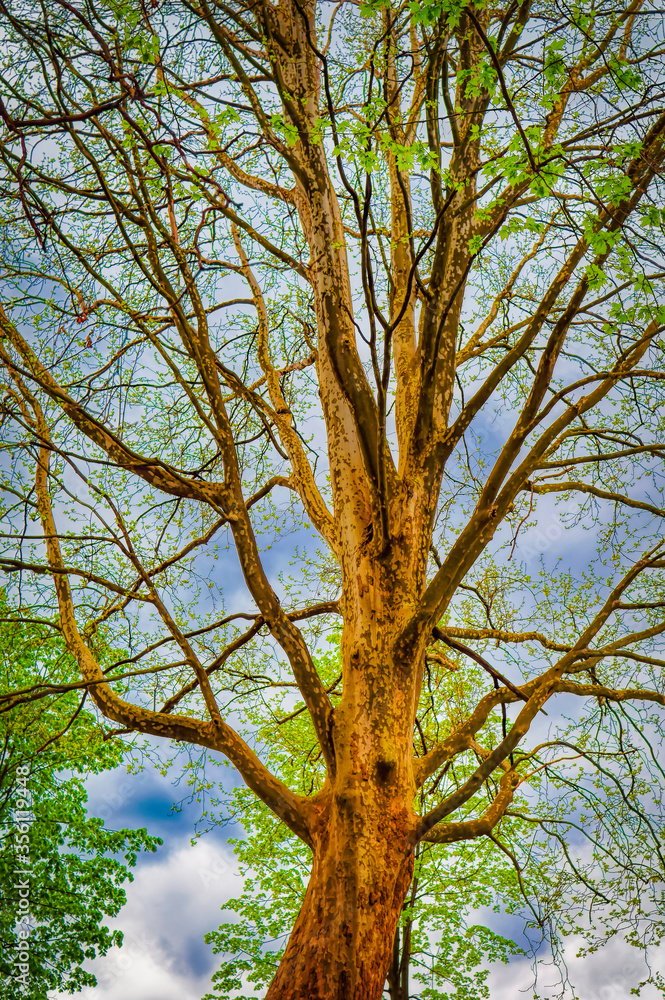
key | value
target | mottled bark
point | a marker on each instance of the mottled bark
(341, 944)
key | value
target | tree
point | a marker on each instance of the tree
(439, 947)
(400, 264)
(71, 873)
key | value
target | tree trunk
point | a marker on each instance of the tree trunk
(363, 825)
(398, 975)
(342, 940)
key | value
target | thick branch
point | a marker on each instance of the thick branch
(152, 470)
(450, 833)
(302, 472)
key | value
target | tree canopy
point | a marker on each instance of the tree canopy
(389, 277)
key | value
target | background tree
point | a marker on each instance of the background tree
(75, 866)
(389, 271)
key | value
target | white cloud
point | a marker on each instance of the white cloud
(171, 904)
(608, 974)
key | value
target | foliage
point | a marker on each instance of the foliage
(75, 866)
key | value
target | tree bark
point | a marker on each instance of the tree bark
(341, 944)
(398, 973)
(363, 827)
